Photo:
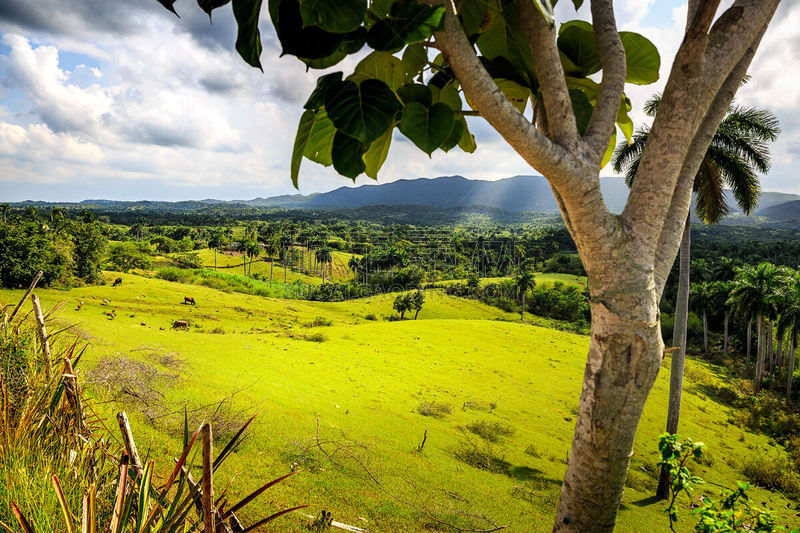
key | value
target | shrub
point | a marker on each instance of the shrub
(319, 321)
(434, 409)
(774, 472)
(370, 316)
(316, 337)
(491, 431)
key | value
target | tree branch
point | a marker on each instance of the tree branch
(612, 57)
(550, 74)
(697, 75)
(541, 153)
(700, 16)
(668, 242)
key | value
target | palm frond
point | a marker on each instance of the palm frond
(710, 200)
(627, 156)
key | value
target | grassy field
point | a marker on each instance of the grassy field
(342, 403)
(541, 278)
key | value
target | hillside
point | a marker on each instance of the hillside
(359, 389)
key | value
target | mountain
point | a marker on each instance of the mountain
(517, 195)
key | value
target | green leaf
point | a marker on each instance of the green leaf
(427, 127)
(407, 23)
(612, 145)
(376, 153)
(341, 16)
(467, 141)
(380, 8)
(320, 140)
(589, 87)
(317, 98)
(385, 67)
(504, 38)
(297, 40)
(168, 4)
(476, 16)
(209, 5)
(415, 92)
(454, 137)
(415, 57)
(641, 58)
(362, 111)
(350, 44)
(624, 121)
(516, 93)
(577, 44)
(248, 38)
(300, 143)
(582, 108)
(447, 95)
(347, 154)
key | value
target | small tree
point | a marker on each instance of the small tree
(402, 303)
(523, 283)
(416, 301)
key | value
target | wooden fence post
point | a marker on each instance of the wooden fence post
(130, 444)
(25, 297)
(208, 479)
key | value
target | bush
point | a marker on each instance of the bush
(434, 409)
(491, 431)
(123, 256)
(774, 472)
(319, 321)
(370, 316)
(316, 337)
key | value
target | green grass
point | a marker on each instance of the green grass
(547, 278)
(364, 385)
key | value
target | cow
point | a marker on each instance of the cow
(112, 315)
(180, 324)
(188, 300)
(117, 281)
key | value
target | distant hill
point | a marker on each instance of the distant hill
(517, 195)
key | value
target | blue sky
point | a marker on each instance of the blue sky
(93, 105)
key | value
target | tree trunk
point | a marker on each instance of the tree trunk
(271, 266)
(625, 354)
(770, 355)
(215, 259)
(760, 353)
(705, 331)
(416, 313)
(285, 261)
(790, 369)
(725, 333)
(779, 352)
(522, 309)
(749, 339)
(678, 357)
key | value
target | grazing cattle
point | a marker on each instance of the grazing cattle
(188, 300)
(111, 315)
(117, 281)
(80, 305)
(180, 324)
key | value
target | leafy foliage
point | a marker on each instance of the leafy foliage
(348, 122)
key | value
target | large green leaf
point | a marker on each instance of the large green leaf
(300, 143)
(248, 38)
(467, 141)
(427, 127)
(447, 95)
(415, 92)
(582, 108)
(341, 16)
(476, 16)
(317, 98)
(385, 67)
(350, 44)
(624, 121)
(407, 23)
(347, 154)
(516, 93)
(304, 42)
(320, 140)
(454, 137)
(363, 111)
(376, 153)
(577, 44)
(641, 58)
(612, 144)
(415, 57)
(504, 39)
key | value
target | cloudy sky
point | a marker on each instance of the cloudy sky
(122, 100)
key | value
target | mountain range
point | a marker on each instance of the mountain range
(517, 194)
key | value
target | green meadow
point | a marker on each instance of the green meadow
(345, 395)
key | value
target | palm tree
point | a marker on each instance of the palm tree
(703, 297)
(324, 257)
(4, 210)
(789, 324)
(271, 247)
(523, 282)
(356, 265)
(737, 151)
(754, 289)
(216, 240)
(718, 299)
